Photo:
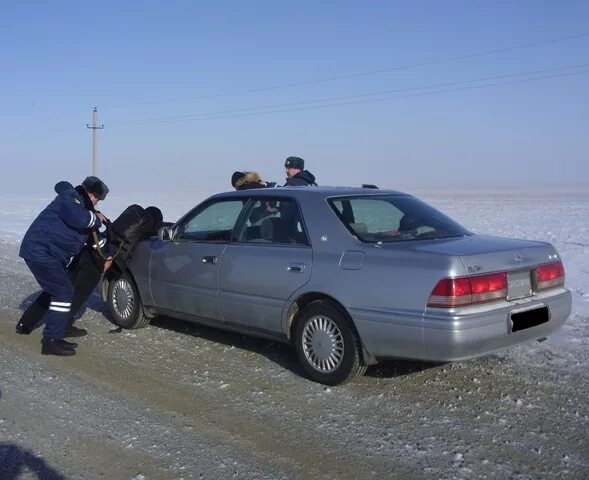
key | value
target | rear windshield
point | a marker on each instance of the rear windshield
(393, 218)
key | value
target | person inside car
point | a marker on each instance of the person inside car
(248, 181)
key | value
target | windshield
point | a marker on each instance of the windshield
(393, 218)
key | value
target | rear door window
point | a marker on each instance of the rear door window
(391, 218)
(274, 221)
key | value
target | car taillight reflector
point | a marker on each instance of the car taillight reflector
(461, 291)
(550, 275)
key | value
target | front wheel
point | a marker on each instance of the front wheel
(327, 345)
(124, 303)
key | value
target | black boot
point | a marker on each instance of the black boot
(22, 329)
(56, 346)
(32, 317)
(70, 344)
(75, 332)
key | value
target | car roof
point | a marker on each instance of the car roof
(305, 191)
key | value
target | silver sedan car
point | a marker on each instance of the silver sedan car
(349, 276)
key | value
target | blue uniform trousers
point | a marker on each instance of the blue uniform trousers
(55, 281)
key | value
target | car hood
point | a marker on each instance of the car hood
(483, 253)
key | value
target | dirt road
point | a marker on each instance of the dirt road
(176, 400)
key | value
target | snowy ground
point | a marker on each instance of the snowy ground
(181, 401)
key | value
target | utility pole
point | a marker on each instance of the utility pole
(94, 128)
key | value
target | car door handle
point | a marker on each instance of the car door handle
(296, 267)
(209, 259)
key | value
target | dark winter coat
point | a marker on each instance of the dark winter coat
(61, 229)
(303, 178)
(252, 185)
(134, 224)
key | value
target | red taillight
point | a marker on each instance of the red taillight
(461, 291)
(451, 292)
(550, 275)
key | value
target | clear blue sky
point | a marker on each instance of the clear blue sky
(141, 63)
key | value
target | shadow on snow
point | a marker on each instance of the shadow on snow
(16, 460)
(280, 353)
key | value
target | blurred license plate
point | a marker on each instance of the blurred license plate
(529, 318)
(519, 285)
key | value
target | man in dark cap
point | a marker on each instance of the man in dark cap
(50, 243)
(95, 187)
(296, 173)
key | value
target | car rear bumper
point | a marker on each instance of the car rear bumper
(449, 335)
(468, 335)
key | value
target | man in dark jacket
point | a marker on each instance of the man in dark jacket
(297, 176)
(50, 243)
(296, 173)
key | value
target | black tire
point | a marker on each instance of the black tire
(327, 345)
(125, 304)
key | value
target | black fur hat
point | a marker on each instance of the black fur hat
(236, 177)
(96, 187)
(295, 162)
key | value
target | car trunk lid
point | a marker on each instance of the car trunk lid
(484, 254)
(485, 258)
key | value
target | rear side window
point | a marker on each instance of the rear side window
(393, 218)
(274, 221)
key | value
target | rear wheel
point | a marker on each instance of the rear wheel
(124, 303)
(327, 345)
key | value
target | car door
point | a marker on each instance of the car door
(184, 272)
(269, 260)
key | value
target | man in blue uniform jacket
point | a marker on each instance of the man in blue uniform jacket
(52, 240)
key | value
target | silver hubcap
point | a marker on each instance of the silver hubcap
(323, 344)
(122, 298)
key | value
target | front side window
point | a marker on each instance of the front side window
(214, 223)
(275, 221)
(392, 218)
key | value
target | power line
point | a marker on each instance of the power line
(47, 120)
(393, 98)
(360, 74)
(226, 113)
(255, 111)
(379, 99)
(53, 133)
(329, 79)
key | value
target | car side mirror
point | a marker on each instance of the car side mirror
(165, 234)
